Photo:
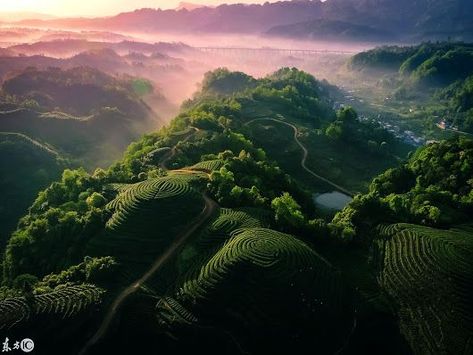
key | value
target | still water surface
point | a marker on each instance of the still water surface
(332, 200)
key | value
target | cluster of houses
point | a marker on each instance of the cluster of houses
(408, 137)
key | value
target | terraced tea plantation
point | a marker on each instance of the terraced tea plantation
(255, 280)
(146, 217)
(208, 166)
(205, 238)
(224, 225)
(66, 302)
(429, 274)
(217, 232)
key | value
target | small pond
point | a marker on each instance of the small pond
(332, 200)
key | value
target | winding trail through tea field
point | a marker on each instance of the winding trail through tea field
(305, 155)
(205, 215)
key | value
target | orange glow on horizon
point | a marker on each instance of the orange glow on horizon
(99, 7)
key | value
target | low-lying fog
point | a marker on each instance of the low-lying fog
(176, 66)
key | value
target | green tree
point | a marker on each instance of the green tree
(347, 115)
(334, 131)
(287, 211)
(25, 283)
(96, 200)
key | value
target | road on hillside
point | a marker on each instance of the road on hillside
(205, 215)
(305, 154)
(169, 155)
(209, 209)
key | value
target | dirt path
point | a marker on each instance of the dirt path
(305, 155)
(169, 155)
(205, 215)
(207, 212)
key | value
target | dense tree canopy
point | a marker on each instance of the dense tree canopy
(367, 135)
(433, 188)
(224, 82)
(438, 63)
(60, 222)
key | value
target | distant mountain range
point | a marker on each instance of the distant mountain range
(189, 6)
(348, 19)
(321, 29)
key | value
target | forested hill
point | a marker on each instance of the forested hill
(417, 220)
(202, 174)
(433, 188)
(438, 63)
(79, 91)
(52, 119)
(442, 71)
(85, 114)
(200, 234)
(26, 167)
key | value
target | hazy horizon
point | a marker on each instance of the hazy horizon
(68, 8)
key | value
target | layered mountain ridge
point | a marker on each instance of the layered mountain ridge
(427, 19)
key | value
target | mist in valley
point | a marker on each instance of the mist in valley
(175, 63)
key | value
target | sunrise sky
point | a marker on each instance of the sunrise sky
(97, 7)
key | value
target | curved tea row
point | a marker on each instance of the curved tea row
(262, 276)
(144, 216)
(209, 165)
(223, 226)
(66, 302)
(429, 273)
